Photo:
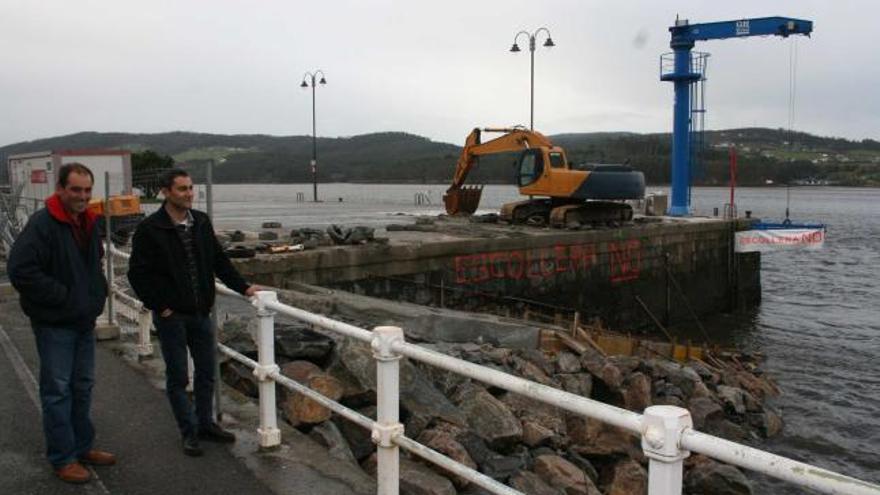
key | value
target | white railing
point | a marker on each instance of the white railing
(666, 432)
(131, 309)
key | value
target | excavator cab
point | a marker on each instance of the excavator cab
(531, 166)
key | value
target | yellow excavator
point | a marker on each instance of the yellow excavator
(125, 215)
(559, 195)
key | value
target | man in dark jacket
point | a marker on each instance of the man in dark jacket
(55, 264)
(175, 256)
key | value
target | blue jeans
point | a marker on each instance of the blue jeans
(67, 375)
(176, 333)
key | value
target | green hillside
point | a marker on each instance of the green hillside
(763, 155)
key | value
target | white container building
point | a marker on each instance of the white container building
(38, 171)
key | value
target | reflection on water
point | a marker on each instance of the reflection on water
(818, 325)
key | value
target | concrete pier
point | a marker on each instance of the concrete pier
(662, 266)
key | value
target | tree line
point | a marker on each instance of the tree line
(765, 155)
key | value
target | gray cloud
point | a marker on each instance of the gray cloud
(436, 69)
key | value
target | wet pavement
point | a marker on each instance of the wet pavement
(133, 420)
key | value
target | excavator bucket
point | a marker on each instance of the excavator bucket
(463, 200)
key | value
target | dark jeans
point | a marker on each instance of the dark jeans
(67, 375)
(176, 333)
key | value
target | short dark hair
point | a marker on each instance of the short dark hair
(69, 168)
(166, 180)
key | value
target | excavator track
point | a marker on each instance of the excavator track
(530, 211)
(590, 213)
(541, 212)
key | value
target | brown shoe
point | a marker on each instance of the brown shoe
(98, 458)
(73, 473)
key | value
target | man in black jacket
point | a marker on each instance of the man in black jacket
(55, 264)
(175, 256)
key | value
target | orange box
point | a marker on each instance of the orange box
(119, 206)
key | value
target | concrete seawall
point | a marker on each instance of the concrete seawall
(600, 272)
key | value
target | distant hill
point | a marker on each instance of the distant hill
(764, 155)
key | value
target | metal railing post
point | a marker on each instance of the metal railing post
(387, 425)
(218, 382)
(108, 250)
(662, 427)
(145, 323)
(268, 432)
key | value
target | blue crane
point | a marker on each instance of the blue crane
(684, 75)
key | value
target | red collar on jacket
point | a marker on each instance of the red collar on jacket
(56, 209)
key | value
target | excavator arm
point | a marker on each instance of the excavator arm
(464, 199)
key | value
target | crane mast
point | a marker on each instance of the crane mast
(683, 75)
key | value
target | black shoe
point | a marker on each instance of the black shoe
(214, 433)
(191, 446)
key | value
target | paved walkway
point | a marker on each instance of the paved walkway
(133, 420)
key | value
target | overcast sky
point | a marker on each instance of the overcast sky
(436, 69)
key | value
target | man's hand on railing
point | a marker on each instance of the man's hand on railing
(252, 290)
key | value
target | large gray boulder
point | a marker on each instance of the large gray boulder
(328, 435)
(636, 392)
(531, 483)
(603, 369)
(708, 476)
(583, 464)
(418, 396)
(501, 468)
(236, 333)
(416, 478)
(628, 478)
(703, 411)
(358, 438)
(476, 447)
(239, 377)
(683, 377)
(733, 399)
(535, 434)
(591, 437)
(563, 475)
(727, 429)
(549, 417)
(488, 417)
(567, 362)
(577, 383)
(626, 364)
(294, 342)
(442, 439)
(532, 371)
(768, 422)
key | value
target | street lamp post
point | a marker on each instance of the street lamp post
(515, 48)
(309, 80)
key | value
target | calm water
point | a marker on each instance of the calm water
(818, 326)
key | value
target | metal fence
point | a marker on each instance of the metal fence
(12, 214)
(666, 432)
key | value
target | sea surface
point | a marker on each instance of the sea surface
(818, 325)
